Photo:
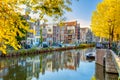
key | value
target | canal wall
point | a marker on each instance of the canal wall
(24, 52)
(109, 76)
(109, 63)
(100, 74)
(105, 59)
(100, 53)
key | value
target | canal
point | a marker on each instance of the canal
(63, 65)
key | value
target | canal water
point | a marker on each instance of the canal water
(63, 65)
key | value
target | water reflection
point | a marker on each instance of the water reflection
(38, 67)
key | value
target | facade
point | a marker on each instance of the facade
(86, 35)
(44, 34)
(47, 33)
(33, 38)
(49, 39)
(83, 32)
(89, 36)
(69, 33)
(56, 34)
(77, 29)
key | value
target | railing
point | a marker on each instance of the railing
(116, 61)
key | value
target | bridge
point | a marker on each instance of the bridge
(109, 60)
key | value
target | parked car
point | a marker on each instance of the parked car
(99, 45)
(28, 46)
(54, 46)
(45, 44)
(61, 45)
(67, 45)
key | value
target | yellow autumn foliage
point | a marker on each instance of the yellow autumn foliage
(106, 19)
(10, 23)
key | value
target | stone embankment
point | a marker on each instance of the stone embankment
(104, 58)
(25, 52)
(107, 63)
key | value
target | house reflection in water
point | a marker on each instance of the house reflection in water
(27, 68)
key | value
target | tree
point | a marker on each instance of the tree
(93, 78)
(105, 20)
(51, 8)
(19, 39)
(47, 7)
(11, 23)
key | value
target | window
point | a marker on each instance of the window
(37, 39)
(70, 31)
(49, 30)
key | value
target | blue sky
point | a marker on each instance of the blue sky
(82, 11)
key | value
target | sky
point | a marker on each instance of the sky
(82, 11)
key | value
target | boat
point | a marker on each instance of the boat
(90, 55)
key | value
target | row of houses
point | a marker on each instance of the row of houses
(70, 33)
